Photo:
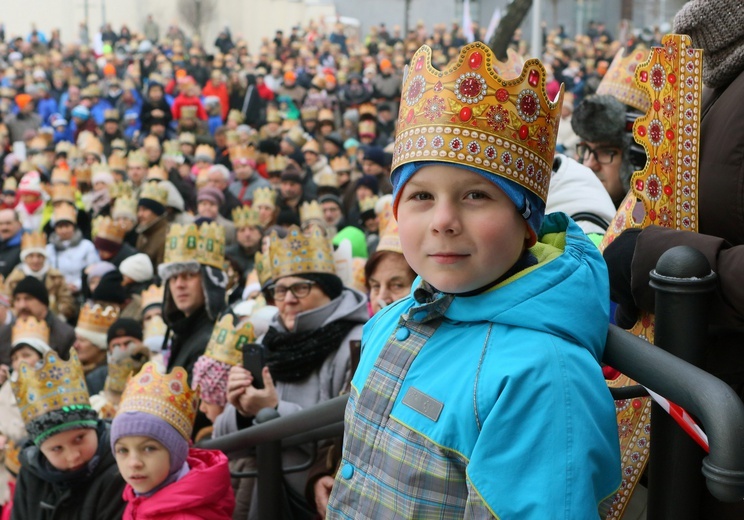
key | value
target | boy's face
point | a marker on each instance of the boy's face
(143, 462)
(458, 230)
(70, 450)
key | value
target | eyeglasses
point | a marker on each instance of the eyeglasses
(298, 289)
(602, 155)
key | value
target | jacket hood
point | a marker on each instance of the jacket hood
(565, 294)
(351, 306)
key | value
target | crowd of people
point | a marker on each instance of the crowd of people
(169, 205)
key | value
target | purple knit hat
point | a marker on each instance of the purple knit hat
(129, 424)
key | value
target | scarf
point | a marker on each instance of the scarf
(62, 245)
(292, 356)
(31, 207)
(39, 275)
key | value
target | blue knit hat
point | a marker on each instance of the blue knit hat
(529, 205)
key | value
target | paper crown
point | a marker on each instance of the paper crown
(204, 151)
(265, 196)
(226, 343)
(117, 162)
(275, 163)
(156, 173)
(619, 81)
(309, 113)
(28, 327)
(52, 385)
(63, 192)
(61, 176)
(367, 127)
(92, 146)
(205, 244)
(137, 158)
(186, 138)
(467, 114)
(36, 240)
(64, 212)
(153, 191)
(311, 146)
(188, 112)
(155, 327)
(111, 115)
(166, 396)
(240, 154)
(151, 141)
(326, 114)
(10, 184)
(300, 252)
(120, 189)
(367, 111)
(310, 211)
(153, 295)
(172, 149)
(106, 228)
(96, 318)
(123, 364)
(340, 164)
(389, 237)
(245, 216)
(368, 204)
(124, 206)
(273, 115)
(297, 136)
(82, 174)
(326, 179)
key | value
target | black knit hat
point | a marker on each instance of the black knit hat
(109, 289)
(124, 327)
(33, 288)
(330, 284)
(152, 205)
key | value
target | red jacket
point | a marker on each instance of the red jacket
(222, 93)
(204, 493)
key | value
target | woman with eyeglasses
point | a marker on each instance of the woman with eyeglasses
(307, 348)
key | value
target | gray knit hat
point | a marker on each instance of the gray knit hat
(716, 26)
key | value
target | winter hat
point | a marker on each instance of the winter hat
(98, 269)
(34, 288)
(329, 197)
(81, 112)
(137, 267)
(377, 155)
(211, 194)
(130, 424)
(210, 376)
(30, 184)
(601, 118)
(369, 181)
(287, 217)
(292, 174)
(22, 100)
(716, 26)
(109, 289)
(124, 327)
(529, 205)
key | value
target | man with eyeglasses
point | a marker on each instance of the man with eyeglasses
(599, 121)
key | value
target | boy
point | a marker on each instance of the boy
(67, 470)
(481, 395)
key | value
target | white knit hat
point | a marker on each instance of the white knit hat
(137, 267)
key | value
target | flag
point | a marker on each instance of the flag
(493, 24)
(467, 22)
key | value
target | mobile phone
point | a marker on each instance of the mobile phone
(254, 361)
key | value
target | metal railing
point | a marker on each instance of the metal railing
(683, 281)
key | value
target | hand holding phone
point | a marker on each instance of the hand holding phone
(254, 361)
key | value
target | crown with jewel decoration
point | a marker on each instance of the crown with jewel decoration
(96, 318)
(63, 192)
(107, 229)
(53, 385)
(153, 295)
(226, 343)
(245, 216)
(124, 207)
(34, 241)
(276, 163)
(619, 81)
(468, 114)
(264, 196)
(205, 244)
(311, 211)
(120, 189)
(166, 396)
(153, 191)
(28, 327)
(12, 456)
(300, 252)
(340, 164)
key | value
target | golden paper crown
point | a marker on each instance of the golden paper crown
(153, 191)
(189, 112)
(340, 164)
(367, 110)
(204, 150)
(263, 269)
(35, 240)
(619, 81)
(153, 295)
(389, 237)
(154, 327)
(166, 396)
(311, 211)
(245, 216)
(123, 364)
(325, 114)
(111, 114)
(137, 158)
(467, 114)
(186, 138)
(205, 244)
(309, 113)
(242, 153)
(92, 146)
(65, 212)
(367, 127)
(10, 184)
(117, 162)
(151, 141)
(368, 203)
(266, 196)
(28, 327)
(311, 146)
(12, 456)
(53, 385)
(273, 115)
(156, 173)
(275, 163)
(300, 253)
(120, 189)
(124, 205)
(61, 176)
(106, 228)
(226, 343)
(96, 318)
(326, 179)
(172, 148)
(63, 192)
(82, 174)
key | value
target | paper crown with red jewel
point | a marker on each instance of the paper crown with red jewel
(619, 81)
(468, 114)
(166, 396)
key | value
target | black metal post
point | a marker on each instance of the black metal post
(269, 467)
(683, 282)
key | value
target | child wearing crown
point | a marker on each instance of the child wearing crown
(480, 395)
(67, 468)
(150, 440)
